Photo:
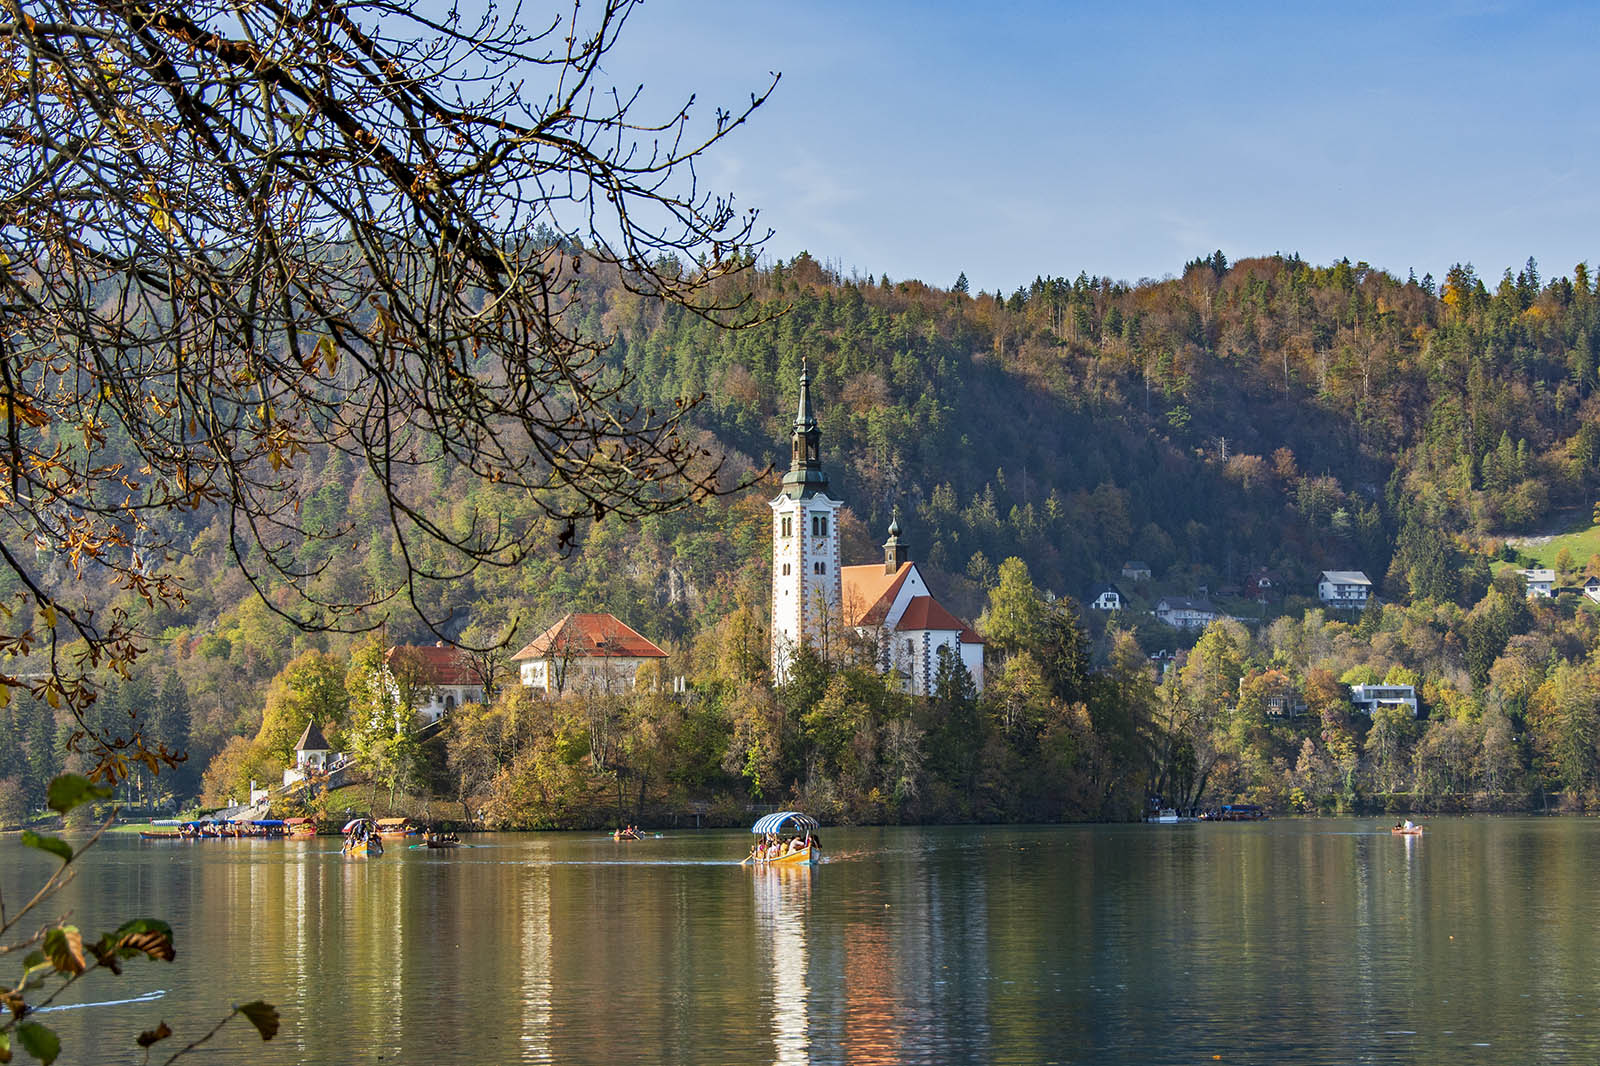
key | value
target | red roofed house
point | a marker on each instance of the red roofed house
(442, 678)
(889, 604)
(585, 651)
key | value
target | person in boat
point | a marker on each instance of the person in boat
(1408, 824)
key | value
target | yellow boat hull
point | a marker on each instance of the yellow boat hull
(805, 856)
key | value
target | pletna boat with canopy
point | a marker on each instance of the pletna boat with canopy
(361, 839)
(771, 847)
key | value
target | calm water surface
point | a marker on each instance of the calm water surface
(1280, 942)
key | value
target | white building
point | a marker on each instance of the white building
(1183, 613)
(806, 578)
(311, 756)
(1366, 697)
(1540, 583)
(1107, 598)
(585, 651)
(1344, 588)
(444, 677)
(816, 600)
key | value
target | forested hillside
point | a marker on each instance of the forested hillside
(1265, 414)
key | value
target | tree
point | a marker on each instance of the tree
(243, 236)
(309, 689)
(1016, 612)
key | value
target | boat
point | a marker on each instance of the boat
(163, 834)
(627, 832)
(1238, 812)
(301, 827)
(1407, 830)
(770, 848)
(439, 840)
(397, 828)
(361, 839)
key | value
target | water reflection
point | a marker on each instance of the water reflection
(1285, 942)
(782, 896)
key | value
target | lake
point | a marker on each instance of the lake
(1288, 941)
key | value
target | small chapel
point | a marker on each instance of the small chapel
(815, 598)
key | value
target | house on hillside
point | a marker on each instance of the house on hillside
(1591, 588)
(1540, 583)
(1282, 696)
(1367, 697)
(1180, 612)
(1262, 586)
(1136, 570)
(594, 652)
(1344, 588)
(440, 678)
(1107, 598)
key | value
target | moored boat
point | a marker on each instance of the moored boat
(771, 848)
(300, 827)
(396, 828)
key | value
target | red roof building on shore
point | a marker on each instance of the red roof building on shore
(584, 650)
(444, 677)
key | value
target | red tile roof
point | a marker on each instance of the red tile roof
(869, 592)
(924, 612)
(587, 636)
(441, 664)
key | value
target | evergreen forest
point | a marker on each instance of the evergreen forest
(1261, 419)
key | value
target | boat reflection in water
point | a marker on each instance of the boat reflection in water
(782, 903)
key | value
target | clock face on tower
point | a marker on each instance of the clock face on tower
(819, 545)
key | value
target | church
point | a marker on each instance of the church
(816, 600)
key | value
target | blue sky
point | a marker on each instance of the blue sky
(1008, 140)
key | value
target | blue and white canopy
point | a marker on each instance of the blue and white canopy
(774, 823)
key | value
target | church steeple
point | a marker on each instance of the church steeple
(895, 554)
(805, 476)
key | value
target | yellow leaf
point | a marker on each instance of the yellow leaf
(49, 614)
(329, 354)
(52, 697)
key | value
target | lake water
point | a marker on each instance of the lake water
(1319, 941)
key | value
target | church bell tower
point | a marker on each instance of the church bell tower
(805, 547)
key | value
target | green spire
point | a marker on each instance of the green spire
(805, 476)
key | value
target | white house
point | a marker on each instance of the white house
(1540, 583)
(1344, 588)
(444, 677)
(1366, 697)
(1591, 588)
(589, 651)
(1183, 613)
(1107, 598)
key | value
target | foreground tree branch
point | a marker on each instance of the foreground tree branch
(236, 234)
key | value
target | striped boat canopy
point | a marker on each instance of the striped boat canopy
(774, 823)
